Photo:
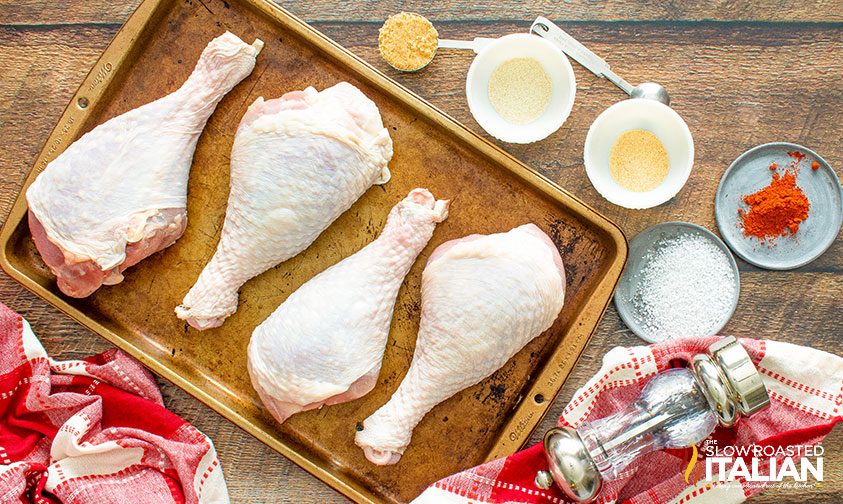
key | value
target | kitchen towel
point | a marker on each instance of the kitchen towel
(806, 393)
(93, 431)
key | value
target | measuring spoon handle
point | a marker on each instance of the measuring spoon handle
(473, 45)
(545, 28)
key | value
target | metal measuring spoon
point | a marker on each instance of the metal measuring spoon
(471, 45)
(545, 28)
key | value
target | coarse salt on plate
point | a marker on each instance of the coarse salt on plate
(681, 280)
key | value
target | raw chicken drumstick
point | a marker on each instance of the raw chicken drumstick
(325, 343)
(298, 162)
(483, 298)
(118, 194)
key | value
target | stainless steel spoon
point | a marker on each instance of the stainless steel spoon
(545, 28)
(472, 45)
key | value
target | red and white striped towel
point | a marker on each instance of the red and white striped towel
(93, 431)
(806, 391)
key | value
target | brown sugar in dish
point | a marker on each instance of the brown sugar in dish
(408, 41)
(638, 161)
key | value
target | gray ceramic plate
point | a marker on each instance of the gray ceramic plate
(751, 173)
(639, 246)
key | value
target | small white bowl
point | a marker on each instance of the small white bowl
(632, 114)
(555, 64)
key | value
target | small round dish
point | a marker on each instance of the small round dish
(647, 240)
(749, 173)
(556, 66)
(633, 114)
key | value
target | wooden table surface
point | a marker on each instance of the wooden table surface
(740, 74)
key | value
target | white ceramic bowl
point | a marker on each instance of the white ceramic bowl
(632, 114)
(555, 64)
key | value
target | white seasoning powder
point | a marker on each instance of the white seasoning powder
(520, 90)
(686, 288)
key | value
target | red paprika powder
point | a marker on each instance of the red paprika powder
(775, 210)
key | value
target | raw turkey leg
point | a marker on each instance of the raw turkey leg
(483, 299)
(325, 343)
(118, 194)
(298, 162)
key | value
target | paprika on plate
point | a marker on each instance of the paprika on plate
(775, 210)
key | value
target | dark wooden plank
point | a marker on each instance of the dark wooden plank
(79, 12)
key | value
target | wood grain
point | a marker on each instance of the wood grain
(45, 12)
(737, 83)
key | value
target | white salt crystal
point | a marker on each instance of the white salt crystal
(686, 288)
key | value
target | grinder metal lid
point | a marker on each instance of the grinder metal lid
(750, 394)
(571, 465)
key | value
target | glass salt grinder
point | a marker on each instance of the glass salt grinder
(677, 407)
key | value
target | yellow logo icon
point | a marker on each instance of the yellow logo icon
(691, 463)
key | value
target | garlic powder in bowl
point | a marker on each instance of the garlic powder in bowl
(626, 183)
(638, 161)
(520, 88)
